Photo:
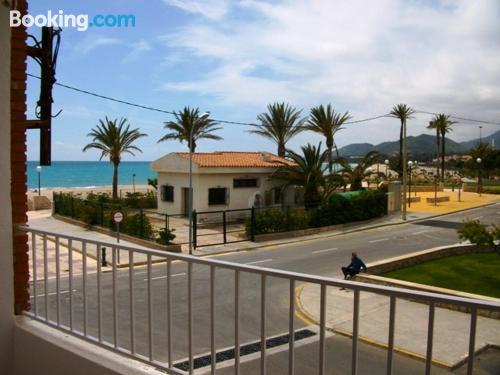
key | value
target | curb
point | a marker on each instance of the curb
(355, 230)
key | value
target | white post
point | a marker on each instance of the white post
(404, 170)
(190, 205)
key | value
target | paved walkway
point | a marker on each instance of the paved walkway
(467, 200)
(450, 337)
(43, 221)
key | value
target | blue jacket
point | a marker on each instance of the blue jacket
(356, 265)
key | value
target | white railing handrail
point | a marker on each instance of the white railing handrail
(271, 272)
(39, 236)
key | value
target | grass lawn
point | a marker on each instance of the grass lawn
(473, 273)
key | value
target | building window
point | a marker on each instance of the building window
(245, 183)
(217, 196)
(167, 193)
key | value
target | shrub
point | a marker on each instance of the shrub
(137, 225)
(140, 200)
(479, 234)
(165, 236)
(338, 209)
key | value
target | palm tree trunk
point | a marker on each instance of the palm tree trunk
(281, 150)
(442, 157)
(115, 180)
(329, 146)
(192, 146)
(400, 164)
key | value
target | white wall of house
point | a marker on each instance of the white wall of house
(206, 178)
(173, 170)
(6, 260)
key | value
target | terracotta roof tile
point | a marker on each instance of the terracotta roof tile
(233, 159)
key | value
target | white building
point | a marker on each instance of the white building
(221, 181)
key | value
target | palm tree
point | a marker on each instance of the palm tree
(403, 113)
(327, 122)
(442, 124)
(114, 138)
(189, 122)
(433, 125)
(280, 124)
(306, 171)
(356, 175)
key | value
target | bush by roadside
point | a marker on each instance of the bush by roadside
(337, 210)
(98, 209)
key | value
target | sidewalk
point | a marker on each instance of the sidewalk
(450, 337)
(43, 221)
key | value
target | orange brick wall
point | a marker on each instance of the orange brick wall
(18, 160)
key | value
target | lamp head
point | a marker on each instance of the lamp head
(478, 160)
(39, 168)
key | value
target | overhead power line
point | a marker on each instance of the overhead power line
(461, 118)
(149, 108)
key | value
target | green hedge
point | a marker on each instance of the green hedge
(98, 210)
(338, 209)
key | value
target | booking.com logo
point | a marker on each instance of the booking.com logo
(79, 21)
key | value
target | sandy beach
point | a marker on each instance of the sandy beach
(48, 192)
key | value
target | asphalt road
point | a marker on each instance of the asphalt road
(319, 257)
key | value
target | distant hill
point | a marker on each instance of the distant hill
(422, 144)
(495, 137)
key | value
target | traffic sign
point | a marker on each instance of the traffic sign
(117, 217)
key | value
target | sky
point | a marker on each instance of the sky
(233, 58)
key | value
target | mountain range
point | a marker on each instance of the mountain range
(421, 144)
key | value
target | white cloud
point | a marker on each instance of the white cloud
(92, 42)
(137, 49)
(362, 56)
(211, 9)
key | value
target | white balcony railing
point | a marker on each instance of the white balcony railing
(109, 305)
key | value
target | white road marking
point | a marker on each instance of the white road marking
(422, 231)
(379, 240)
(324, 250)
(164, 277)
(260, 261)
(477, 218)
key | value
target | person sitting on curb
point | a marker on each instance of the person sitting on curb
(355, 267)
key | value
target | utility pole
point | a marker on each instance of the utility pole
(45, 53)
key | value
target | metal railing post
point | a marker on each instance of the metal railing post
(102, 214)
(141, 223)
(103, 257)
(195, 229)
(252, 225)
(224, 229)
(287, 216)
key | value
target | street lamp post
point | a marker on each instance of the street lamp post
(39, 171)
(133, 182)
(405, 172)
(479, 176)
(190, 203)
(410, 163)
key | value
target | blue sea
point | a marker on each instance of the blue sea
(88, 174)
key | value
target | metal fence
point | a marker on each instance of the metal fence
(121, 310)
(221, 227)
